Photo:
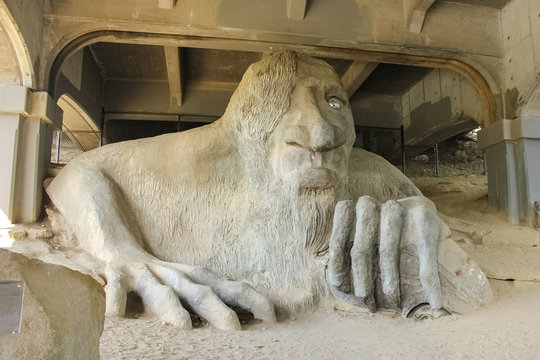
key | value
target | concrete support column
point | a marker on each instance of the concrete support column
(27, 120)
(512, 150)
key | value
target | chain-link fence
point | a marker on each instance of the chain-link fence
(121, 130)
(63, 148)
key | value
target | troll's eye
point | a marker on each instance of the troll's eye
(335, 102)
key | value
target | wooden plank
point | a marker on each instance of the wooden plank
(419, 15)
(356, 74)
(172, 59)
(166, 4)
(296, 9)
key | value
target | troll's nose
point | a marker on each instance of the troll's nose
(322, 136)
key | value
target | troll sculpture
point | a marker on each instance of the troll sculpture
(270, 209)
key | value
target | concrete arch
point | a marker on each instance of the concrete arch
(481, 79)
(18, 44)
(78, 124)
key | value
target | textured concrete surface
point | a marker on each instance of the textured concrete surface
(62, 311)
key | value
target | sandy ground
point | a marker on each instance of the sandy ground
(507, 329)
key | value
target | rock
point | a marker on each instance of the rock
(422, 158)
(40, 233)
(17, 234)
(62, 312)
(511, 235)
(506, 262)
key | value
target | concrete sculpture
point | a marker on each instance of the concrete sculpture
(269, 209)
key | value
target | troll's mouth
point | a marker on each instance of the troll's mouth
(317, 178)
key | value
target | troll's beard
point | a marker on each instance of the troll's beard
(312, 213)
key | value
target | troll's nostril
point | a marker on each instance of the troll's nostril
(297, 136)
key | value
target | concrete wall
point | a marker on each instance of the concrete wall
(81, 78)
(26, 119)
(512, 148)
(520, 21)
(375, 110)
(79, 127)
(442, 105)
(30, 22)
(502, 177)
(442, 100)
(9, 68)
(512, 144)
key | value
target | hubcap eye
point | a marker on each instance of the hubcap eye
(335, 102)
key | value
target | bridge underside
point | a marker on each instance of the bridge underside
(126, 70)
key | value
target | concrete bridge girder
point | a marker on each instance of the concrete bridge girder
(512, 147)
